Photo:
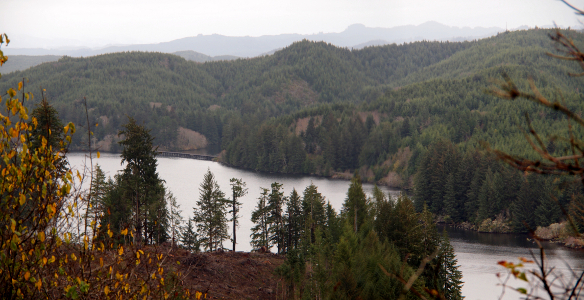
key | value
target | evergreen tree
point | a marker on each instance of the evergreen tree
(158, 221)
(444, 160)
(140, 184)
(473, 192)
(450, 277)
(48, 126)
(276, 201)
(117, 210)
(189, 238)
(260, 232)
(355, 206)
(422, 183)
(210, 214)
(522, 209)
(313, 211)
(429, 235)
(98, 191)
(369, 123)
(293, 220)
(488, 196)
(378, 194)
(405, 128)
(357, 272)
(382, 223)
(576, 210)
(333, 226)
(174, 218)
(310, 136)
(548, 211)
(451, 207)
(403, 229)
(239, 190)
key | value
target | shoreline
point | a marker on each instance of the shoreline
(563, 240)
(335, 176)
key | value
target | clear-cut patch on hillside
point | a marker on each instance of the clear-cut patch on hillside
(190, 140)
(374, 114)
(297, 91)
(300, 125)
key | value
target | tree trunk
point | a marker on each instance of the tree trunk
(355, 207)
(138, 224)
(234, 220)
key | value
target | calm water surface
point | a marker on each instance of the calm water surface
(477, 253)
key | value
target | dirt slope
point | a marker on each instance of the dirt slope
(229, 275)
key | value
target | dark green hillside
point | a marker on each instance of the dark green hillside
(313, 107)
(165, 91)
(520, 50)
(386, 137)
(390, 64)
(160, 90)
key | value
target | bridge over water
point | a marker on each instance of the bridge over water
(185, 155)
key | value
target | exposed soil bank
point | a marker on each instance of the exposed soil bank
(229, 275)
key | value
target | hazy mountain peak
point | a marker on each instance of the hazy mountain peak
(356, 35)
(356, 27)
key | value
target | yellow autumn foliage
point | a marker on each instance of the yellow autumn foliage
(48, 249)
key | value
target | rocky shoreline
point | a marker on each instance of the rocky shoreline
(558, 233)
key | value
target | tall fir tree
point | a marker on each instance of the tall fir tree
(548, 211)
(313, 211)
(450, 277)
(293, 220)
(333, 225)
(210, 214)
(522, 209)
(98, 191)
(175, 219)
(189, 237)
(422, 183)
(489, 198)
(355, 207)
(140, 185)
(239, 190)
(451, 207)
(473, 192)
(382, 223)
(276, 201)
(49, 126)
(403, 229)
(260, 232)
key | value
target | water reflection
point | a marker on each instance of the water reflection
(478, 254)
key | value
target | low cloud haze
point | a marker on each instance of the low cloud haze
(73, 23)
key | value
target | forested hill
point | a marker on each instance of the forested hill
(166, 91)
(311, 107)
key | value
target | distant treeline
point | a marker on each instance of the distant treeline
(471, 186)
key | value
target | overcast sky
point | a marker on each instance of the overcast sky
(99, 22)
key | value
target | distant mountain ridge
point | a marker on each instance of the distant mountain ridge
(356, 35)
(200, 57)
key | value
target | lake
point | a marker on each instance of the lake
(183, 177)
(477, 253)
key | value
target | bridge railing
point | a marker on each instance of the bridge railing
(186, 155)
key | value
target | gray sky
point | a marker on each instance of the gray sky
(100, 22)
